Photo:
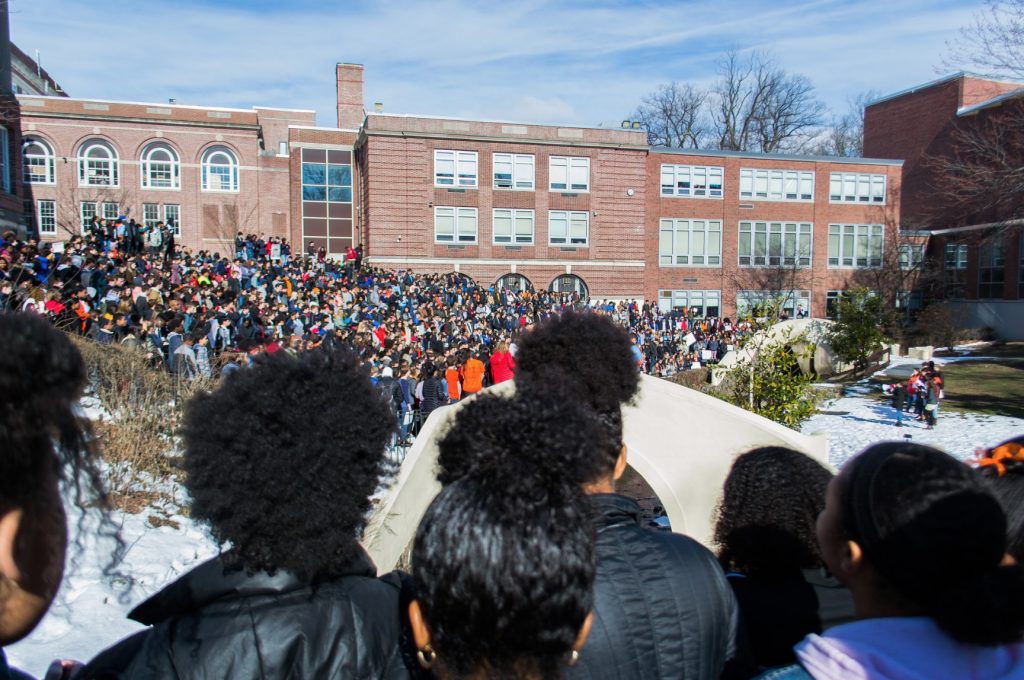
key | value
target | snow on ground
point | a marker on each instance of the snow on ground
(861, 420)
(90, 611)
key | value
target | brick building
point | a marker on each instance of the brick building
(588, 209)
(982, 262)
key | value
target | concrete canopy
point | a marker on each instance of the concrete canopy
(682, 442)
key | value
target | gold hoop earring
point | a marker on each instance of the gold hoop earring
(571, 658)
(421, 656)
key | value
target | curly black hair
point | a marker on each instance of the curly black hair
(42, 377)
(766, 518)
(535, 431)
(591, 358)
(504, 558)
(1008, 486)
(281, 460)
(588, 353)
(935, 533)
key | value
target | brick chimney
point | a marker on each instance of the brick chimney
(350, 96)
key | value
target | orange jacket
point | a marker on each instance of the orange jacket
(452, 377)
(473, 376)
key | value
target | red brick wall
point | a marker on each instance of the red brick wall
(350, 95)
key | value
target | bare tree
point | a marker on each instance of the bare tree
(675, 116)
(980, 178)
(845, 135)
(222, 221)
(993, 43)
(759, 106)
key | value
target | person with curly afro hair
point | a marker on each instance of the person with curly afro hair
(662, 604)
(766, 541)
(503, 561)
(43, 444)
(280, 461)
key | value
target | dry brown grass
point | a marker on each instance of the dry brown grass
(145, 407)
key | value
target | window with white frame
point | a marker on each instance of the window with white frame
(855, 187)
(569, 174)
(568, 228)
(172, 218)
(911, 255)
(111, 211)
(513, 171)
(455, 225)
(219, 170)
(775, 244)
(691, 181)
(150, 215)
(690, 243)
(37, 162)
(455, 168)
(700, 302)
(47, 217)
(796, 304)
(97, 164)
(855, 246)
(513, 226)
(160, 167)
(757, 184)
(87, 211)
(5, 159)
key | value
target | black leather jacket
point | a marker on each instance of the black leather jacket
(662, 605)
(209, 624)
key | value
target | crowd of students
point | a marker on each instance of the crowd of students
(200, 313)
(527, 564)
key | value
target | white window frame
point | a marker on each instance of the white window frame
(461, 177)
(570, 163)
(781, 237)
(857, 187)
(86, 219)
(516, 236)
(109, 210)
(220, 170)
(792, 300)
(49, 215)
(523, 175)
(177, 217)
(458, 236)
(674, 176)
(910, 255)
(49, 161)
(112, 163)
(150, 215)
(677, 256)
(685, 297)
(855, 246)
(777, 185)
(174, 169)
(569, 218)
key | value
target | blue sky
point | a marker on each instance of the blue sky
(574, 62)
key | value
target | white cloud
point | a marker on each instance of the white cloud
(569, 62)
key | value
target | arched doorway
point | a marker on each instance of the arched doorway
(569, 284)
(515, 283)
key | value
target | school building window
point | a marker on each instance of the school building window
(513, 171)
(47, 218)
(911, 256)
(691, 181)
(954, 273)
(795, 304)
(690, 243)
(775, 244)
(698, 302)
(991, 263)
(455, 225)
(455, 169)
(568, 228)
(853, 187)
(512, 226)
(855, 246)
(776, 185)
(569, 174)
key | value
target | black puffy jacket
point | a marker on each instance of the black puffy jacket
(209, 624)
(662, 605)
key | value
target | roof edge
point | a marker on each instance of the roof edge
(778, 156)
(939, 81)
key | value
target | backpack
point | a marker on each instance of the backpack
(386, 387)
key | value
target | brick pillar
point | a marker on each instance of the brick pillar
(350, 96)
(5, 49)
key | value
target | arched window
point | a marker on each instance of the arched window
(569, 284)
(160, 167)
(220, 170)
(514, 283)
(97, 164)
(37, 162)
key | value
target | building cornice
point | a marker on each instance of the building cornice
(533, 141)
(27, 114)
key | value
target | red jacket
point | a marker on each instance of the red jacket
(502, 364)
